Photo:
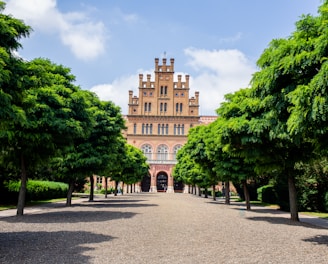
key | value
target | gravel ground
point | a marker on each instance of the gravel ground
(159, 228)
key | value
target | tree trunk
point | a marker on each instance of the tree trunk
(292, 198)
(69, 193)
(91, 188)
(227, 192)
(213, 191)
(206, 192)
(246, 194)
(115, 190)
(106, 186)
(199, 191)
(22, 190)
(131, 188)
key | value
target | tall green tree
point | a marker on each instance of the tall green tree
(188, 171)
(228, 166)
(135, 165)
(55, 115)
(196, 149)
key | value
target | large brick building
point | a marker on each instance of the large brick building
(158, 121)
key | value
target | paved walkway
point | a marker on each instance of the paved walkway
(159, 228)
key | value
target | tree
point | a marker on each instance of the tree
(196, 150)
(227, 166)
(135, 165)
(91, 154)
(54, 114)
(188, 171)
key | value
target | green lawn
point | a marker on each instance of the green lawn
(31, 203)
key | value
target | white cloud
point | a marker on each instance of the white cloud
(218, 72)
(118, 91)
(85, 38)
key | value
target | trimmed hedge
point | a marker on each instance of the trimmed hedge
(38, 190)
(267, 194)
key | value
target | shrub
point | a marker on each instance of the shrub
(267, 194)
(326, 201)
(38, 190)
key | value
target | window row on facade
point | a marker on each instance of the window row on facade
(162, 152)
(163, 107)
(162, 129)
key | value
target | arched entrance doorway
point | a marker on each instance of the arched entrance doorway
(145, 183)
(162, 182)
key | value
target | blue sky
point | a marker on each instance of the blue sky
(107, 43)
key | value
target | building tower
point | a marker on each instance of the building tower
(158, 122)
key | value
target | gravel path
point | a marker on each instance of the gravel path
(159, 228)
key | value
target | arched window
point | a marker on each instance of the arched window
(143, 128)
(175, 150)
(175, 129)
(165, 107)
(147, 151)
(134, 128)
(151, 129)
(167, 129)
(182, 129)
(176, 107)
(162, 152)
(149, 107)
(159, 129)
(180, 107)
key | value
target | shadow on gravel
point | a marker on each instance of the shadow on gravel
(283, 221)
(320, 240)
(48, 247)
(69, 217)
(116, 204)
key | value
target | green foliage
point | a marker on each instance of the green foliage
(326, 202)
(312, 185)
(38, 190)
(109, 191)
(267, 194)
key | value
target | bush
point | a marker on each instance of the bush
(38, 190)
(109, 190)
(267, 194)
(326, 201)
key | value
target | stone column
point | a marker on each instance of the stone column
(153, 182)
(170, 183)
